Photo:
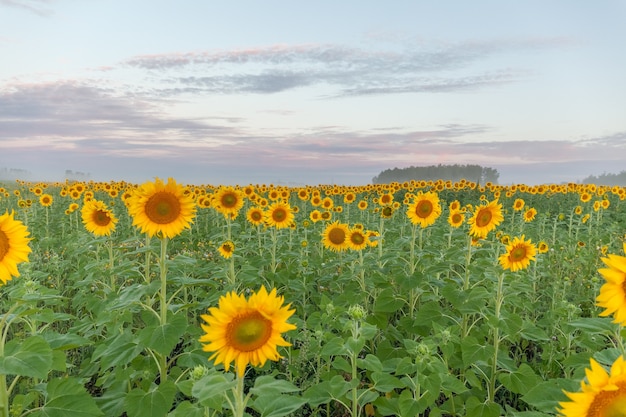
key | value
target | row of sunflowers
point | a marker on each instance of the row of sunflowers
(419, 298)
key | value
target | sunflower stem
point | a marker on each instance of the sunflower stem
(163, 302)
(240, 401)
(111, 259)
(4, 392)
(146, 268)
(496, 337)
(466, 283)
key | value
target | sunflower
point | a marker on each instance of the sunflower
(485, 219)
(456, 218)
(612, 295)
(45, 200)
(386, 212)
(518, 204)
(315, 216)
(97, 218)
(228, 201)
(163, 209)
(335, 236)
(255, 216)
(226, 249)
(585, 197)
(530, 214)
(362, 205)
(603, 395)
(519, 253)
(246, 331)
(14, 247)
(279, 215)
(425, 209)
(357, 239)
(542, 247)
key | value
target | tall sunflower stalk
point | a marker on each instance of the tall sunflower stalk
(164, 210)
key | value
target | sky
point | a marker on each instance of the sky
(310, 92)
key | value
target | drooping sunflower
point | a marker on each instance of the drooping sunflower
(519, 253)
(425, 209)
(335, 236)
(357, 239)
(279, 215)
(14, 247)
(228, 201)
(612, 296)
(97, 218)
(486, 218)
(255, 216)
(603, 395)
(246, 331)
(227, 249)
(163, 209)
(456, 218)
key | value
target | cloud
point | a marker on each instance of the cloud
(38, 7)
(407, 68)
(73, 109)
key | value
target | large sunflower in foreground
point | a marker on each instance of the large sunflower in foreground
(14, 247)
(335, 236)
(246, 331)
(279, 215)
(425, 209)
(519, 253)
(612, 295)
(485, 219)
(163, 209)
(97, 218)
(603, 395)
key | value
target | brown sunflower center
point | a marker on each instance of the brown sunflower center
(457, 218)
(357, 238)
(227, 247)
(609, 403)
(337, 236)
(249, 331)
(279, 215)
(163, 208)
(257, 216)
(101, 218)
(424, 209)
(518, 253)
(4, 245)
(483, 218)
(229, 200)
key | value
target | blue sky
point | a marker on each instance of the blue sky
(320, 92)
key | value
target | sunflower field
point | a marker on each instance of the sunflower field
(423, 298)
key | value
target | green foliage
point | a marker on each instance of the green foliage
(426, 323)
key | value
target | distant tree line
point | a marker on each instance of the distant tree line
(14, 173)
(606, 179)
(456, 172)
